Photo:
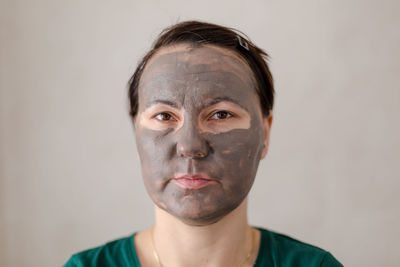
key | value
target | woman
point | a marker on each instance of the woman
(201, 103)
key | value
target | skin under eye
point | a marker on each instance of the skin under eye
(221, 115)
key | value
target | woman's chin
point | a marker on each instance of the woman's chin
(199, 221)
(196, 215)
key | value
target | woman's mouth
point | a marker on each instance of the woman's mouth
(192, 181)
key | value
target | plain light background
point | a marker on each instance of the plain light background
(70, 177)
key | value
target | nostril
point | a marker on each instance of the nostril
(200, 155)
(192, 155)
(191, 152)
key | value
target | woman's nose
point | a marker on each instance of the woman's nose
(191, 143)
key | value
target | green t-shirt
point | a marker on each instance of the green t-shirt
(275, 250)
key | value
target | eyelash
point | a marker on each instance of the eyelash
(171, 117)
(228, 114)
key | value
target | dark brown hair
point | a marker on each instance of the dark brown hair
(198, 33)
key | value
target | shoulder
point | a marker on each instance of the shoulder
(287, 251)
(119, 252)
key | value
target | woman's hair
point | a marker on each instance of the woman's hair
(199, 33)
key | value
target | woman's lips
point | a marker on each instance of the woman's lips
(192, 181)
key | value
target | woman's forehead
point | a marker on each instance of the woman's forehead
(183, 59)
(191, 76)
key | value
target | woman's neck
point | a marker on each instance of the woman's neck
(224, 243)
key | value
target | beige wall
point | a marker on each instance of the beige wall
(70, 176)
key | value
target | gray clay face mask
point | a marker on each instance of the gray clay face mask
(199, 132)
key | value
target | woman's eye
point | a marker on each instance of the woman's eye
(221, 115)
(164, 117)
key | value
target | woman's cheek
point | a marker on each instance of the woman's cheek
(153, 149)
(239, 152)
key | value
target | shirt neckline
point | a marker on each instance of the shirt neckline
(135, 259)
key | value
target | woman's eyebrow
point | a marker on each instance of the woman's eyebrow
(217, 100)
(159, 101)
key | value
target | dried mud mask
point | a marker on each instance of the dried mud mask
(199, 132)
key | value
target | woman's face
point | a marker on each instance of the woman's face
(200, 132)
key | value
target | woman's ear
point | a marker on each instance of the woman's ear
(267, 122)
